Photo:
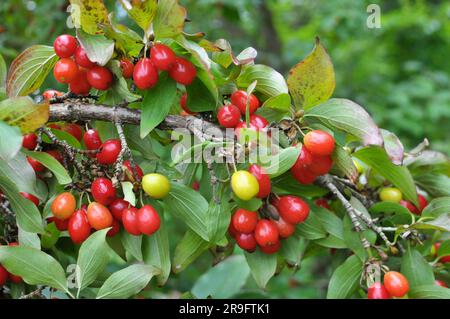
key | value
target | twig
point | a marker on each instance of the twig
(125, 151)
(35, 293)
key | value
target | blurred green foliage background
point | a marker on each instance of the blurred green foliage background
(400, 72)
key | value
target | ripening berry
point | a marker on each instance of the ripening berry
(148, 220)
(263, 180)
(63, 206)
(130, 221)
(74, 129)
(266, 232)
(103, 191)
(229, 115)
(127, 68)
(293, 209)
(239, 98)
(80, 84)
(396, 284)
(65, 70)
(183, 71)
(244, 221)
(390, 194)
(145, 75)
(100, 78)
(99, 216)
(92, 139)
(29, 141)
(246, 241)
(117, 206)
(162, 56)
(378, 291)
(82, 58)
(79, 227)
(319, 143)
(244, 185)
(65, 45)
(109, 152)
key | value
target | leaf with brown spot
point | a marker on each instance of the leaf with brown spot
(29, 70)
(169, 20)
(141, 11)
(312, 81)
(89, 14)
(24, 113)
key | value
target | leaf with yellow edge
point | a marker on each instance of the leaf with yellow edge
(169, 20)
(141, 11)
(312, 81)
(89, 14)
(24, 113)
(29, 70)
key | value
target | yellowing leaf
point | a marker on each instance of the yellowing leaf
(141, 11)
(29, 70)
(89, 14)
(169, 20)
(24, 113)
(312, 81)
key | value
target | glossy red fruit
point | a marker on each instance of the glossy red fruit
(148, 220)
(30, 197)
(319, 143)
(422, 202)
(115, 228)
(229, 115)
(3, 275)
(183, 71)
(304, 159)
(184, 106)
(321, 165)
(285, 229)
(99, 216)
(396, 284)
(14, 278)
(162, 56)
(37, 167)
(263, 180)
(259, 122)
(413, 209)
(232, 231)
(244, 221)
(239, 98)
(65, 70)
(246, 241)
(103, 191)
(129, 170)
(322, 202)
(271, 249)
(56, 155)
(50, 94)
(63, 206)
(378, 291)
(109, 151)
(127, 68)
(117, 206)
(293, 209)
(130, 221)
(75, 130)
(79, 227)
(82, 58)
(92, 139)
(29, 141)
(145, 75)
(100, 78)
(65, 45)
(303, 176)
(80, 84)
(61, 224)
(440, 283)
(266, 232)
(54, 126)
(196, 185)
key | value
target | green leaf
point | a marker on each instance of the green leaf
(51, 234)
(437, 207)
(393, 146)
(20, 173)
(353, 239)
(28, 239)
(34, 266)
(218, 219)
(132, 244)
(142, 12)
(202, 93)
(262, 266)
(10, 142)
(62, 135)
(128, 42)
(444, 248)
(345, 279)
(312, 228)
(436, 185)
(416, 269)
(127, 282)
(89, 14)
(52, 164)
(270, 82)
(281, 162)
(442, 222)
(293, 249)
(401, 215)
(29, 70)
(223, 280)
(429, 292)
(344, 163)
(169, 20)
(347, 116)
(93, 258)
(377, 158)
(312, 81)
(187, 204)
(98, 48)
(128, 194)
(188, 249)
(287, 185)
(281, 103)
(157, 103)
(24, 113)
(3, 71)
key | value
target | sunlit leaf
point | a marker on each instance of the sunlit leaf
(98, 48)
(141, 11)
(89, 14)
(169, 20)
(24, 113)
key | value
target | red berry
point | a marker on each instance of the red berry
(183, 104)
(109, 151)
(37, 167)
(3, 275)
(285, 229)
(99, 216)
(92, 139)
(263, 180)
(196, 185)
(29, 141)
(239, 98)
(130, 221)
(244, 221)
(266, 232)
(79, 227)
(103, 191)
(162, 57)
(65, 70)
(322, 202)
(75, 130)
(50, 94)
(82, 58)
(80, 84)
(232, 231)
(246, 241)
(56, 155)
(413, 209)
(183, 71)
(63, 205)
(271, 249)
(292, 209)
(422, 202)
(319, 143)
(321, 165)
(378, 291)
(100, 78)
(396, 284)
(14, 278)
(129, 170)
(65, 45)
(61, 224)
(30, 197)
(145, 74)
(117, 206)
(303, 175)
(259, 122)
(54, 126)
(304, 159)
(115, 228)
(440, 283)
(148, 220)
(127, 68)
(229, 116)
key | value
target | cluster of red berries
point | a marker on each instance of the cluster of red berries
(5, 274)
(315, 157)
(412, 208)
(395, 285)
(250, 231)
